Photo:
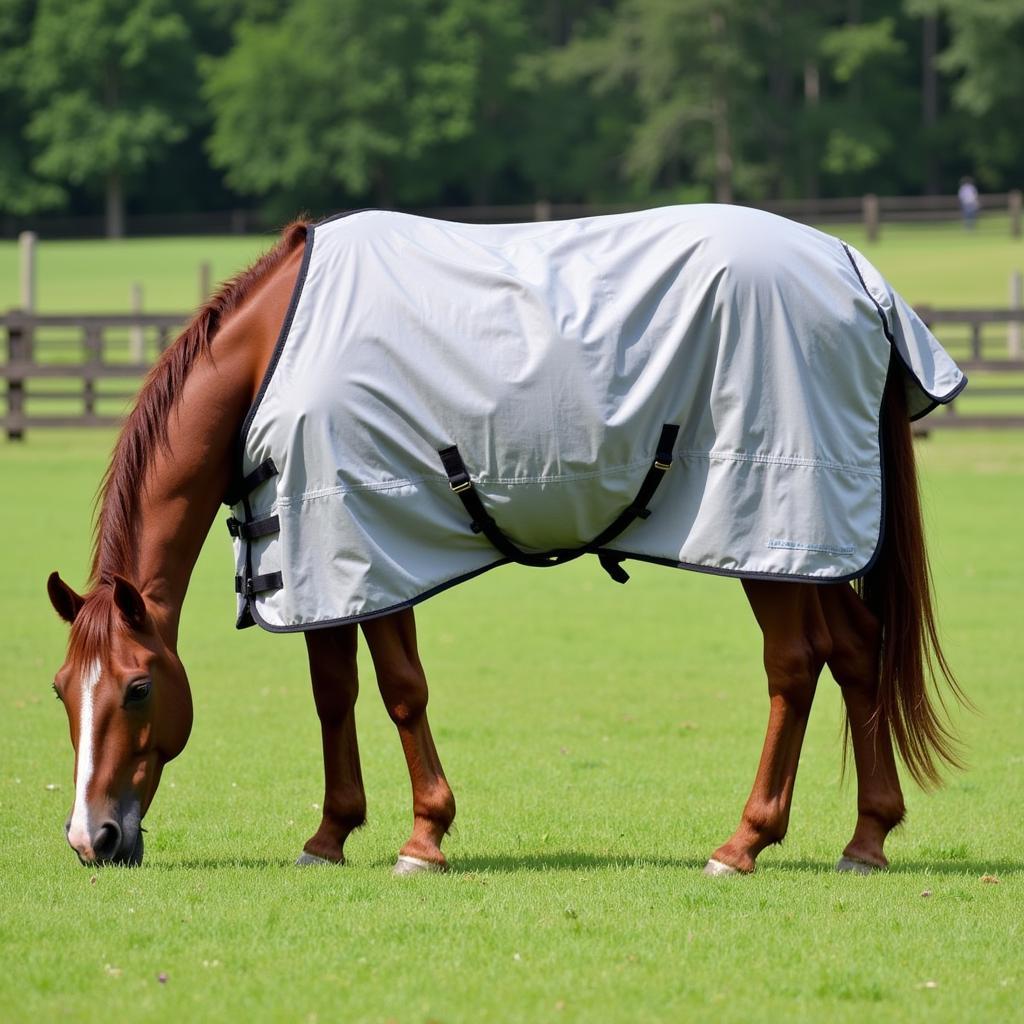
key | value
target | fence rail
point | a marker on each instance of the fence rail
(871, 210)
(120, 348)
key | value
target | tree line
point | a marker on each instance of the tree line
(185, 105)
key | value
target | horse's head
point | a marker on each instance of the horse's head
(130, 711)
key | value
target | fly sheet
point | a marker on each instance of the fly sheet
(563, 363)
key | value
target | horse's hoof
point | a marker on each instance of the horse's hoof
(416, 866)
(849, 866)
(718, 869)
(306, 860)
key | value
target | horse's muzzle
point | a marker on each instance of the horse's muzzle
(114, 842)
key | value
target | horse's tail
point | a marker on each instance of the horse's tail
(898, 590)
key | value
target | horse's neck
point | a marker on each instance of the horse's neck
(186, 482)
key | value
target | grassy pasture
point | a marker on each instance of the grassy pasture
(600, 741)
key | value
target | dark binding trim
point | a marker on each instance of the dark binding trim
(242, 492)
(282, 338)
(482, 522)
(937, 400)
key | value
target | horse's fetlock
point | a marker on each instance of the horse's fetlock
(768, 822)
(889, 812)
(437, 804)
(346, 812)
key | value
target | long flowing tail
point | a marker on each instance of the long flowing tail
(898, 590)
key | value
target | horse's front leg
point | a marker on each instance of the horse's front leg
(332, 669)
(796, 646)
(856, 649)
(403, 686)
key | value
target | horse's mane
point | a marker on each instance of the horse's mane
(145, 429)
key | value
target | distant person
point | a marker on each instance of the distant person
(970, 204)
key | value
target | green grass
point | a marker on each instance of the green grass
(600, 741)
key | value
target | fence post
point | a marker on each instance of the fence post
(205, 281)
(27, 255)
(1013, 330)
(93, 355)
(19, 339)
(19, 352)
(872, 217)
(137, 338)
(542, 210)
(1015, 205)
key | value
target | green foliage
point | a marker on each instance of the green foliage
(982, 62)
(20, 191)
(112, 87)
(853, 48)
(320, 104)
(365, 93)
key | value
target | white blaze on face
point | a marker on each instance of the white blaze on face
(80, 833)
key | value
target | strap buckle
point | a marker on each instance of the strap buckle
(459, 488)
(663, 466)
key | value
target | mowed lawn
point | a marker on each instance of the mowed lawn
(600, 741)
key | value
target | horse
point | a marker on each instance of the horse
(127, 695)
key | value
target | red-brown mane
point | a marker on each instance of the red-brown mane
(145, 429)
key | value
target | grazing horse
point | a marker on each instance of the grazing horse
(192, 440)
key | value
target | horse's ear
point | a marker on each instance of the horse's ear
(130, 603)
(65, 601)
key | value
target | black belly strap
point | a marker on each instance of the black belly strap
(481, 521)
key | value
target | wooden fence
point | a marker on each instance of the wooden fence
(118, 347)
(56, 366)
(871, 210)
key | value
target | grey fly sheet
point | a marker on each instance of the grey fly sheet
(446, 397)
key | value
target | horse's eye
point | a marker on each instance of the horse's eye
(137, 692)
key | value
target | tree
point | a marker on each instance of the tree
(21, 191)
(350, 98)
(696, 73)
(113, 85)
(983, 64)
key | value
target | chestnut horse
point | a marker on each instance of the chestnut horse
(127, 695)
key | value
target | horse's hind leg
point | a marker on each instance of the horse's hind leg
(403, 686)
(332, 667)
(856, 635)
(796, 646)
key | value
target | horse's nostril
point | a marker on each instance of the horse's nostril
(107, 840)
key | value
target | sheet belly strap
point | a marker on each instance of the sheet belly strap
(481, 521)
